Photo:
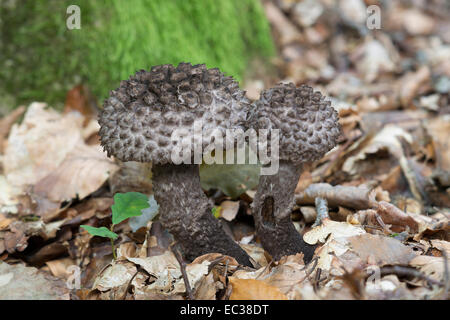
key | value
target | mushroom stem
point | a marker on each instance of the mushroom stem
(186, 212)
(272, 207)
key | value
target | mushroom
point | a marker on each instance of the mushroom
(308, 128)
(138, 123)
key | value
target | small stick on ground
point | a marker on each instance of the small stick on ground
(322, 211)
(317, 280)
(402, 271)
(446, 275)
(174, 248)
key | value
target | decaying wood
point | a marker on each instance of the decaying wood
(344, 196)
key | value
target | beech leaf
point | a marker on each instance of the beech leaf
(128, 205)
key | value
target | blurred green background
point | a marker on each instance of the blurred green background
(40, 59)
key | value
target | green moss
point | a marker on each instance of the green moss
(40, 59)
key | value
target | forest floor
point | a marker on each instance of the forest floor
(386, 184)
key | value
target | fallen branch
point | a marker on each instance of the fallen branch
(345, 196)
(174, 248)
(402, 271)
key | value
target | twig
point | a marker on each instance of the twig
(322, 211)
(372, 227)
(317, 280)
(446, 275)
(308, 273)
(176, 252)
(226, 268)
(265, 268)
(408, 272)
(129, 283)
(315, 261)
(382, 224)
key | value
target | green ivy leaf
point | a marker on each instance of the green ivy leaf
(128, 205)
(101, 232)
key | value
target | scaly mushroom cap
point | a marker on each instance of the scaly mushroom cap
(139, 117)
(308, 124)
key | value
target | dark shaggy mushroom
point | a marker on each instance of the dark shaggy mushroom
(308, 128)
(137, 124)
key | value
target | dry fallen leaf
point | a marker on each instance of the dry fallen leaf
(115, 279)
(229, 209)
(61, 268)
(399, 220)
(411, 83)
(18, 282)
(47, 149)
(82, 172)
(256, 253)
(387, 138)
(438, 129)
(250, 289)
(433, 267)
(381, 250)
(336, 229)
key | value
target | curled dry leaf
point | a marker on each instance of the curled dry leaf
(47, 151)
(336, 229)
(16, 239)
(61, 268)
(387, 139)
(441, 245)
(166, 271)
(433, 267)
(287, 274)
(115, 280)
(256, 253)
(329, 251)
(399, 220)
(158, 265)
